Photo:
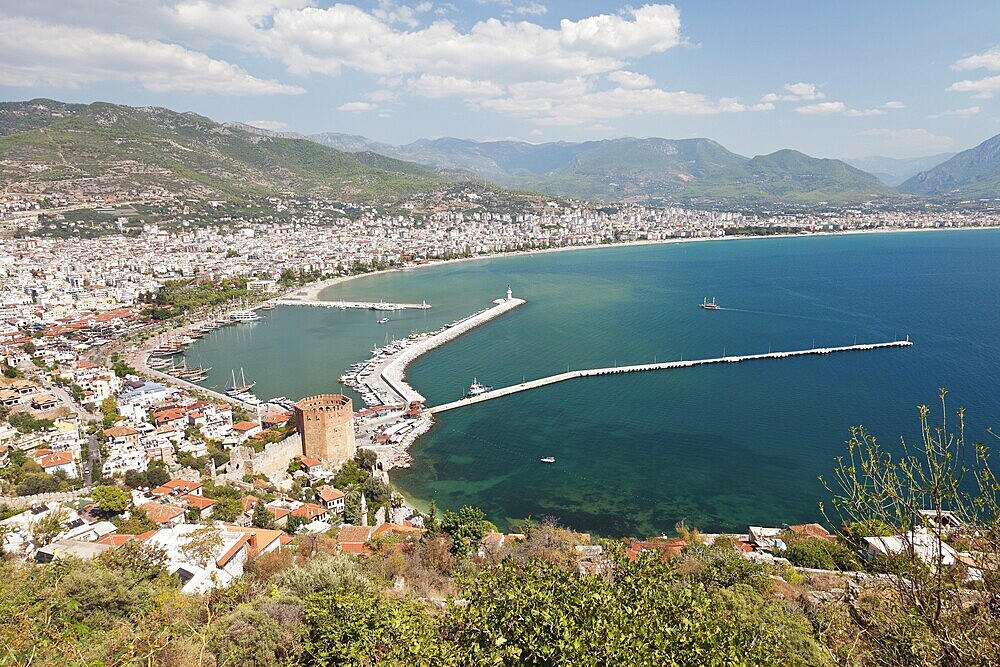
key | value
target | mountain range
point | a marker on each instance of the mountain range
(104, 147)
(636, 169)
(893, 171)
(101, 147)
(971, 173)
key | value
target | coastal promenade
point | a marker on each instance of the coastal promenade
(362, 305)
(562, 377)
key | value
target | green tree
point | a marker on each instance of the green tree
(156, 474)
(293, 523)
(227, 509)
(202, 545)
(912, 491)
(466, 529)
(261, 517)
(248, 637)
(138, 522)
(350, 628)
(111, 499)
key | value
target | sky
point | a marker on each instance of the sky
(845, 79)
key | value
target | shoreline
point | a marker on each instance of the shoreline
(312, 291)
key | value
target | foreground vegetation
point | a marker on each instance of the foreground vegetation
(407, 604)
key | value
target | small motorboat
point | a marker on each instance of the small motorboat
(548, 459)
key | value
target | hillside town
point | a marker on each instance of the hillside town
(95, 454)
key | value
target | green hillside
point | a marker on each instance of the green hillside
(106, 147)
(638, 169)
(971, 173)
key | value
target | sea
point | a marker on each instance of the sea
(718, 447)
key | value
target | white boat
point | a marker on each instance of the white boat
(244, 316)
(383, 320)
(476, 389)
(548, 459)
(709, 305)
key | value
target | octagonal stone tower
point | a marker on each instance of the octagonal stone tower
(326, 424)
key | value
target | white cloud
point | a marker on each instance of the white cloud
(357, 107)
(982, 88)
(39, 53)
(913, 141)
(434, 86)
(988, 60)
(958, 113)
(822, 108)
(273, 125)
(804, 91)
(859, 113)
(627, 79)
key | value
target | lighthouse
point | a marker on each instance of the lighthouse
(509, 293)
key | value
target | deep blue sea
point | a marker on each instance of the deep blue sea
(719, 447)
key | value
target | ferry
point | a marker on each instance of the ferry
(548, 459)
(477, 389)
(709, 305)
(244, 316)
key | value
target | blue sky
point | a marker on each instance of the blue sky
(846, 79)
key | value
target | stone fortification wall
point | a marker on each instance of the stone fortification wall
(273, 461)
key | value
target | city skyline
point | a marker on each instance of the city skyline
(830, 81)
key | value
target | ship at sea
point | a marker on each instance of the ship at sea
(476, 389)
(709, 305)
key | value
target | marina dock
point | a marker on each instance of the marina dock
(360, 305)
(562, 377)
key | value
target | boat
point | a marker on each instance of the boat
(383, 320)
(476, 389)
(709, 305)
(236, 390)
(244, 316)
(267, 306)
(548, 459)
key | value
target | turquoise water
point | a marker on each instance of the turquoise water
(718, 446)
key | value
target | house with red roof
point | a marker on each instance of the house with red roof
(53, 462)
(246, 430)
(331, 498)
(164, 514)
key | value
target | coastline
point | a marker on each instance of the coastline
(312, 291)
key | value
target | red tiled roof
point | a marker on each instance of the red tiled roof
(245, 426)
(329, 493)
(120, 432)
(200, 502)
(162, 512)
(309, 511)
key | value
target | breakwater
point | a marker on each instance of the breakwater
(667, 365)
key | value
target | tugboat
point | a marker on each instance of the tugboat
(476, 389)
(709, 305)
(548, 459)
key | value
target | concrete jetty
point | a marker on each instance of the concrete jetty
(562, 377)
(393, 372)
(362, 305)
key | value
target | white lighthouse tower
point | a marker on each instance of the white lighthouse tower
(510, 295)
